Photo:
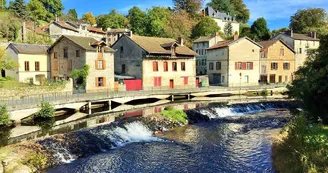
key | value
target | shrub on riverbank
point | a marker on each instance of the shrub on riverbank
(4, 115)
(175, 115)
(46, 111)
(301, 147)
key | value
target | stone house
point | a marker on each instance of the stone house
(161, 63)
(234, 63)
(114, 34)
(303, 44)
(277, 62)
(200, 46)
(222, 19)
(33, 62)
(71, 52)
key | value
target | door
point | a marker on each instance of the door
(171, 83)
(272, 78)
(280, 79)
(216, 78)
(197, 82)
(3, 73)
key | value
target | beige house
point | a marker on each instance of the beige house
(72, 52)
(161, 63)
(200, 46)
(33, 62)
(277, 62)
(234, 63)
(303, 45)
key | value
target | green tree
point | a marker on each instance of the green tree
(36, 10)
(80, 75)
(277, 31)
(112, 20)
(310, 86)
(4, 115)
(260, 29)
(72, 15)
(46, 111)
(54, 8)
(89, 18)
(311, 19)
(239, 10)
(220, 5)
(138, 21)
(157, 20)
(190, 6)
(18, 8)
(205, 27)
(6, 62)
(9, 29)
(228, 29)
(3, 4)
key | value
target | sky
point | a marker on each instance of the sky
(276, 12)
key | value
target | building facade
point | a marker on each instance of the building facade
(71, 52)
(114, 34)
(303, 45)
(277, 62)
(33, 62)
(161, 63)
(200, 46)
(234, 63)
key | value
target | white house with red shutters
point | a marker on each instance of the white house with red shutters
(234, 63)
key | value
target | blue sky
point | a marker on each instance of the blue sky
(276, 12)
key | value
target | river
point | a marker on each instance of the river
(237, 139)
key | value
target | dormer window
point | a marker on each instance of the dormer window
(99, 49)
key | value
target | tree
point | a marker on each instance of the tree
(72, 15)
(138, 21)
(6, 62)
(190, 6)
(18, 8)
(9, 28)
(239, 10)
(46, 111)
(37, 10)
(220, 5)
(311, 19)
(54, 8)
(112, 20)
(260, 29)
(3, 4)
(228, 29)
(157, 20)
(205, 27)
(4, 115)
(89, 18)
(310, 86)
(80, 75)
(274, 32)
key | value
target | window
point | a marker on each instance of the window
(203, 62)
(27, 66)
(155, 66)
(274, 66)
(100, 82)
(65, 53)
(55, 65)
(218, 65)
(69, 65)
(248, 66)
(55, 55)
(286, 65)
(121, 51)
(77, 53)
(253, 50)
(100, 64)
(246, 79)
(185, 80)
(239, 65)
(300, 50)
(211, 66)
(37, 66)
(123, 68)
(183, 66)
(174, 66)
(157, 81)
(263, 69)
(166, 67)
(282, 53)
(99, 48)
(222, 79)
(197, 62)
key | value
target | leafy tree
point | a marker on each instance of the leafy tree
(245, 31)
(80, 75)
(311, 19)
(3, 4)
(9, 29)
(238, 9)
(46, 111)
(190, 6)
(274, 32)
(138, 21)
(157, 20)
(89, 18)
(6, 62)
(228, 29)
(72, 15)
(111, 20)
(18, 8)
(260, 29)
(4, 115)
(36, 9)
(310, 86)
(220, 5)
(205, 27)
(53, 7)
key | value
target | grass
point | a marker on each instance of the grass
(175, 115)
(301, 147)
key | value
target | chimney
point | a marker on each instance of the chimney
(291, 33)
(314, 35)
(180, 41)
(108, 29)
(235, 36)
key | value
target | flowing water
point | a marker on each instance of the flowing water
(237, 139)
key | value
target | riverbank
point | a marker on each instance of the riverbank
(301, 147)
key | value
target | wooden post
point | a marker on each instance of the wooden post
(110, 105)
(188, 96)
(172, 98)
(89, 107)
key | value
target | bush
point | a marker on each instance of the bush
(175, 115)
(4, 115)
(46, 111)
(38, 160)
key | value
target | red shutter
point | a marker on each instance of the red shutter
(243, 65)
(96, 64)
(236, 65)
(251, 65)
(155, 81)
(155, 66)
(159, 81)
(185, 80)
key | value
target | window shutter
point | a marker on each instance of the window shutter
(236, 65)
(96, 63)
(96, 82)
(104, 64)
(159, 81)
(251, 65)
(155, 81)
(243, 65)
(104, 81)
